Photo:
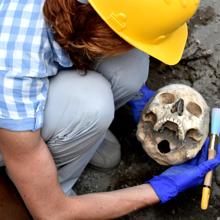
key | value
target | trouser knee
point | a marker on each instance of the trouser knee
(126, 73)
(78, 113)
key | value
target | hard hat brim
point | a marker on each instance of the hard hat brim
(171, 49)
(168, 50)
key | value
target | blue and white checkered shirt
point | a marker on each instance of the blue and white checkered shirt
(28, 55)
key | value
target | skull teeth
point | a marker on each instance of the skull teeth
(160, 123)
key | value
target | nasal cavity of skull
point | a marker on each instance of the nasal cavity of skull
(194, 134)
(164, 147)
(194, 109)
(178, 107)
(167, 98)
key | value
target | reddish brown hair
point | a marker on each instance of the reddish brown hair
(81, 32)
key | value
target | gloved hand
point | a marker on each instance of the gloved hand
(181, 177)
(139, 101)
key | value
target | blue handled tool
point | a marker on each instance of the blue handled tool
(215, 131)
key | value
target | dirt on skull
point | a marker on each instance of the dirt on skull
(174, 124)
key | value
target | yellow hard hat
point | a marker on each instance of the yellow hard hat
(157, 27)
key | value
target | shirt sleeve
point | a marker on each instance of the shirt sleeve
(22, 102)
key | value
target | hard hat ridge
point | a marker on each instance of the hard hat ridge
(156, 27)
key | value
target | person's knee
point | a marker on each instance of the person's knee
(99, 102)
(100, 106)
(135, 71)
(78, 105)
(127, 72)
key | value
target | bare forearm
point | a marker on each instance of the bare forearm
(43, 195)
(35, 177)
(113, 204)
(33, 171)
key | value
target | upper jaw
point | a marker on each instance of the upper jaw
(159, 124)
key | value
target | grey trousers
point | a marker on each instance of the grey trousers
(80, 109)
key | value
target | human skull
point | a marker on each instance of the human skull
(174, 124)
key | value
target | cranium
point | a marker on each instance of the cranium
(174, 124)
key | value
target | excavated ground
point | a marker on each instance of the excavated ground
(199, 68)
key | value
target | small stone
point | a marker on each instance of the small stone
(173, 211)
(217, 172)
(215, 191)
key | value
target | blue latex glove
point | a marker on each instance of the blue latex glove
(181, 177)
(139, 101)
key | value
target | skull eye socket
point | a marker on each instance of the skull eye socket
(194, 134)
(150, 118)
(167, 98)
(194, 109)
